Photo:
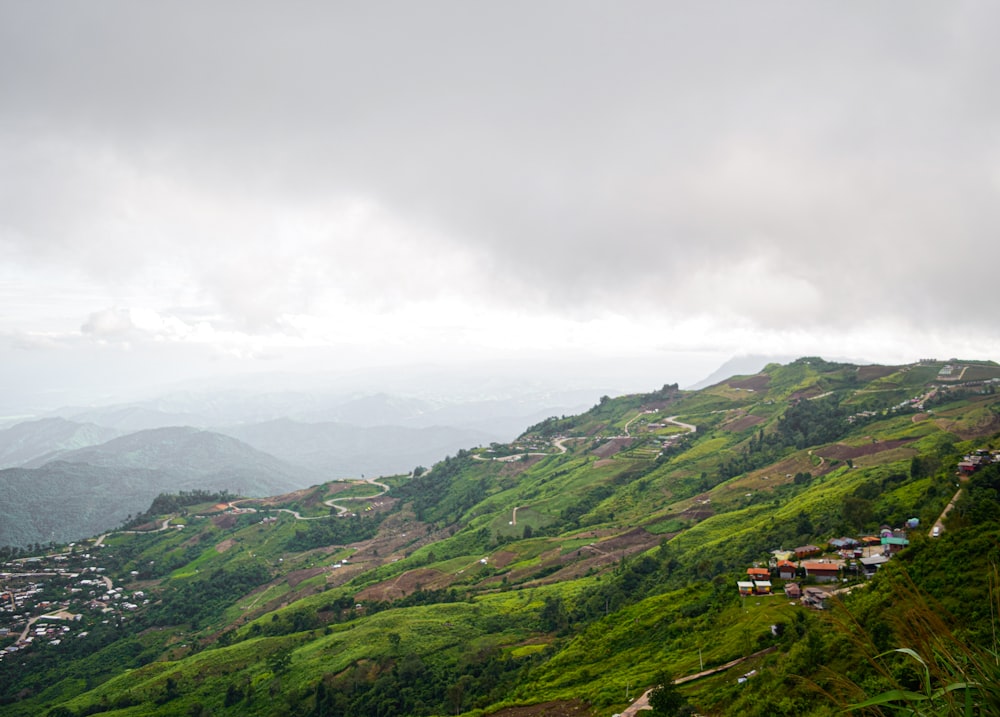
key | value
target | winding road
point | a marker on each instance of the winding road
(341, 510)
(690, 427)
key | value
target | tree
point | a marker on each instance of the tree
(803, 525)
(857, 512)
(666, 700)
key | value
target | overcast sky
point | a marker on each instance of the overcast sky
(232, 187)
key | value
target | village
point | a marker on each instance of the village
(844, 560)
(51, 599)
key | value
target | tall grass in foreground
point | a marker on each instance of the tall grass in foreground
(936, 671)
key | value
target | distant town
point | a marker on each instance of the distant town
(51, 599)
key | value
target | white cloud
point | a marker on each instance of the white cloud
(492, 180)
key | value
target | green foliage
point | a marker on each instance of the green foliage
(195, 601)
(166, 503)
(666, 700)
(332, 531)
(450, 606)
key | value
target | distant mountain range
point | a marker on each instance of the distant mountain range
(76, 493)
(85, 470)
(33, 440)
(339, 450)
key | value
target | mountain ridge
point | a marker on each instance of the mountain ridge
(555, 573)
(125, 474)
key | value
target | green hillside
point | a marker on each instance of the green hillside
(564, 573)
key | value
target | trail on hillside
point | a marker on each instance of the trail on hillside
(642, 702)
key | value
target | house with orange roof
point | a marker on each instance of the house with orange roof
(787, 569)
(822, 571)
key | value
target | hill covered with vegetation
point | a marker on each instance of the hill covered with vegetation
(567, 572)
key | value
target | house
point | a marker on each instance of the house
(806, 551)
(758, 573)
(842, 543)
(745, 586)
(823, 572)
(872, 564)
(787, 570)
(815, 598)
(762, 587)
(892, 544)
(967, 467)
(793, 591)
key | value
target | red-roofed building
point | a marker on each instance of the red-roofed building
(759, 573)
(786, 569)
(806, 551)
(823, 572)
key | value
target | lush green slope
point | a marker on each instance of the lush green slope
(570, 568)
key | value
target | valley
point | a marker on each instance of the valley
(568, 571)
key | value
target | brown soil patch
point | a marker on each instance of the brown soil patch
(279, 500)
(597, 556)
(513, 468)
(225, 545)
(502, 558)
(570, 708)
(760, 382)
(606, 450)
(224, 522)
(405, 584)
(696, 514)
(870, 373)
(297, 576)
(841, 452)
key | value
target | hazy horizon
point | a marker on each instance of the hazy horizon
(626, 195)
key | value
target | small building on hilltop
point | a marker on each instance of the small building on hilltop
(871, 564)
(892, 544)
(815, 598)
(822, 571)
(842, 543)
(787, 570)
(806, 551)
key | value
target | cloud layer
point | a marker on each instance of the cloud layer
(724, 175)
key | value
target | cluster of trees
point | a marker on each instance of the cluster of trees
(804, 423)
(10, 552)
(166, 503)
(197, 601)
(406, 684)
(333, 531)
(443, 494)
